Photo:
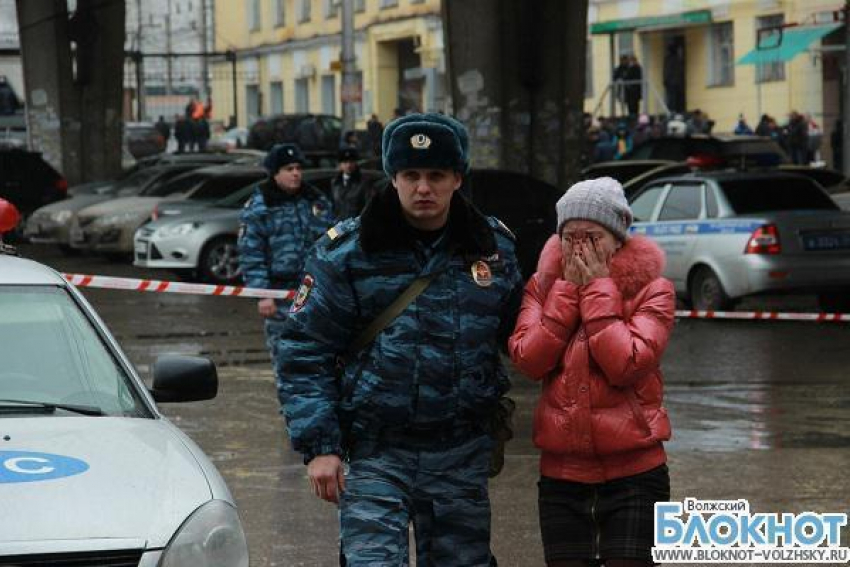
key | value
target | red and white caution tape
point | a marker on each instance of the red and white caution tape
(130, 284)
(766, 316)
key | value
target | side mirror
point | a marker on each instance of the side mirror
(178, 378)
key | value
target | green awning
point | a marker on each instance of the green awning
(791, 43)
(683, 19)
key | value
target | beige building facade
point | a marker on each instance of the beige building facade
(696, 47)
(287, 58)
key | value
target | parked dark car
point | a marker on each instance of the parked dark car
(28, 181)
(526, 205)
(143, 139)
(312, 132)
(698, 151)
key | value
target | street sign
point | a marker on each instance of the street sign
(352, 92)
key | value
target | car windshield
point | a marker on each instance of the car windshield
(135, 181)
(747, 196)
(51, 354)
(236, 200)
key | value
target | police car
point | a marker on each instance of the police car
(730, 234)
(91, 473)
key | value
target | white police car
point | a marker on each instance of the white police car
(91, 473)
(730, 234)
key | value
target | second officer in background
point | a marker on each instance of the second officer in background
(278, 226)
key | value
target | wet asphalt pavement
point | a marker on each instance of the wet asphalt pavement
(760, 410)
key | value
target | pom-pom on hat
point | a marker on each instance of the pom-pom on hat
(426, 141)
(281, 155)
(599, 200)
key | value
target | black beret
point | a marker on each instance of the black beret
(281, 155)
(428, 141)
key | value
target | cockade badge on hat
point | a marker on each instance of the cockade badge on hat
(420, 142)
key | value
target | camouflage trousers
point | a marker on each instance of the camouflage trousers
(274, 331)
(439, 487)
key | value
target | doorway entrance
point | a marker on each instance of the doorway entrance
(674, 72)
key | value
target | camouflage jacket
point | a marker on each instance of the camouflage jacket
(436, 365)
(277, 230)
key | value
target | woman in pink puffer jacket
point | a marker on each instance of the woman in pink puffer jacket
(595, 320)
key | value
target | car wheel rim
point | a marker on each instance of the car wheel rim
(710, 292)
(224, 262)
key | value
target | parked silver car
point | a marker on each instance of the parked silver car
(91, 473)
(732, 234)
(200, 242)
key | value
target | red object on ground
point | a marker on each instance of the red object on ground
(9, 216)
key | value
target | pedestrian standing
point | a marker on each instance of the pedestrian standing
(202, 133)
(182, 132)
(347, 189)
(278, 226)
(797, 138)
(595, 321)
(633, 77)
(407, 409)
(164, 129)
(375, 130)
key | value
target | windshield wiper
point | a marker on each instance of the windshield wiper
(46, 407)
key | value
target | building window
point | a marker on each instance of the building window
(253, 15)
(276, 96)
(588, 69)
(329, 94)
(417, 1)
(625, 44)
(770, 71)
(253, 105)
(331, 9)
(279, 13)
(359, 5)
(388, 4)
(721, 67)
(303, 11)
(302, 95)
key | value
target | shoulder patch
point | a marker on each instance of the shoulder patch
(340, 232)
(502, 227)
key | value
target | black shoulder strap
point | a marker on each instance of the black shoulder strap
(387, 316)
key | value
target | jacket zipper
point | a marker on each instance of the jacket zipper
(597, 532)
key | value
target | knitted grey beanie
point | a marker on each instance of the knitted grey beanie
(599, 200)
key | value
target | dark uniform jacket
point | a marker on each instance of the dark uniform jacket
(437, 365)
(276, 232)
(349, 196)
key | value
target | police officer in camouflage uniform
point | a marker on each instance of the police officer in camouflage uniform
(279, 224)
(407, 411)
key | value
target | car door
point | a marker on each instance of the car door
(676, 227)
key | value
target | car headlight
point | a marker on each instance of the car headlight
(120, 218)
(180, 229)
(211, 536)
(60, 217)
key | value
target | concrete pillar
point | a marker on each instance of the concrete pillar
(517, 81)
(51, 105)
(74, 111)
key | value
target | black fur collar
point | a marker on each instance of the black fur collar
(382, 226)
(274, 196)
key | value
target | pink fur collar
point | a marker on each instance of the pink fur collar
(636, 264)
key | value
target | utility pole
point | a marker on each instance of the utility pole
(168, 60)
(845, 115)
(351, 90)
(140, 72)
(205, 48)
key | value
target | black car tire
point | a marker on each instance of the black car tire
(219, 261)
(706, 291)
(834, 302)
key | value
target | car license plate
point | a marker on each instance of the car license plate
(827, 241)
(141, 249)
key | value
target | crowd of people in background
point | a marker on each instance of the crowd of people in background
(610, 138)
(191, 129)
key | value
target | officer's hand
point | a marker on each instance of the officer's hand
(327, 477)
(266, 307)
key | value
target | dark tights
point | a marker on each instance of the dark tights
(608, 563)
